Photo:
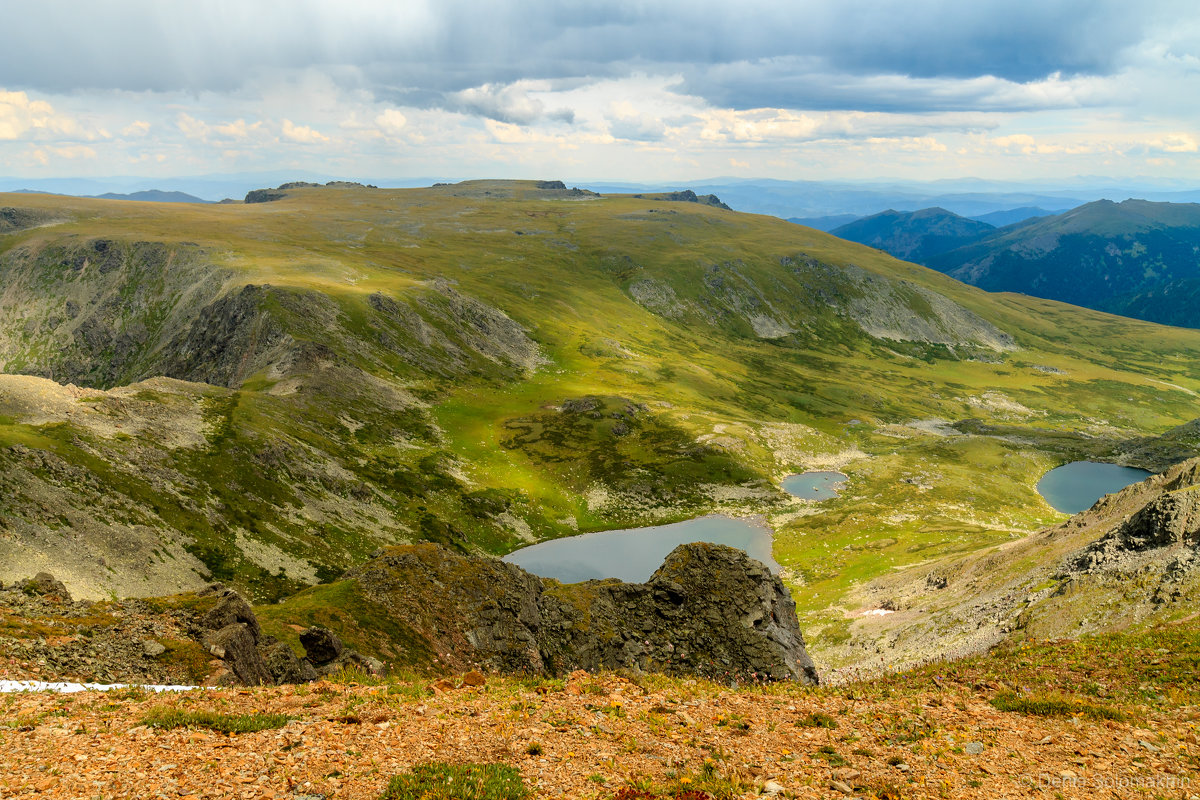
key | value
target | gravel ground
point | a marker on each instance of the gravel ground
(586, 738)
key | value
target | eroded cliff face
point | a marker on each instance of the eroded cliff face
(709, 610)
(105, 313)
(166, 424)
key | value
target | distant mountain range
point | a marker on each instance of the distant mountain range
(803, 199)
(1014, 215)
(144, 196)
(153, 196)
(825, 223)
(994, 219)
(1136, 258)
(917, 235)
(970, 197)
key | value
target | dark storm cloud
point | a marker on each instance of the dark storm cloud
(781, 54)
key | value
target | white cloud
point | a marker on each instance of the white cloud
(1175, 143)
(627, 122)
(191, 127)
(70, 152)
(136, 128)
(302, 133)
(391, 122)
(20, 116)
(238, 129)
(1019, 141)
(781, 126)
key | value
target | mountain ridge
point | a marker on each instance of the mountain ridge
(1127, 257)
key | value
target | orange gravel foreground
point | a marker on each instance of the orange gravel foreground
(347, 741)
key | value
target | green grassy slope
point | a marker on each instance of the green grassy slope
(491, 363)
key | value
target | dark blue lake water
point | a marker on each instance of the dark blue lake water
(1074, 487)
(632, 554)
(814, 485)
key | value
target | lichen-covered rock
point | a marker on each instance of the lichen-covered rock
(1169, 518)
(231, 608)
(46, 585)
(321, 645)
(352, 660)
(237, 647)
(285, 666)
(709, 610)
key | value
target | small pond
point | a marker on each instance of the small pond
(1074, 487)
(814, 485)
(633, 554)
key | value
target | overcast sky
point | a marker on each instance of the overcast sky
(651, 91)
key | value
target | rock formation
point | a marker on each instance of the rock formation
(709, 610)
(231, 633)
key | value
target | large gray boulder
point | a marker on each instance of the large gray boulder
(321, 645)
(231, 608)
(236, 645)
(284, 665)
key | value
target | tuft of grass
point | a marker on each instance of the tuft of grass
(706, 784)
(170, 718)
(817, 720)
(441, 781)
(830, 755)
(1054, 705)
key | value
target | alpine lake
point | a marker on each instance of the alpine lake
(633, 554)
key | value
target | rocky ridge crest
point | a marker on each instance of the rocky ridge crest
(709, 610)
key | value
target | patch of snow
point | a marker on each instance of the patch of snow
(67, 687)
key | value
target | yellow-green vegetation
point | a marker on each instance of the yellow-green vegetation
(170, 718)
(491, 363)
(1115, 676)
(1054, 705)
(340, 606)
(707, 783)
(441, 781)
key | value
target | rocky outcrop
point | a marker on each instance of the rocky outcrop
(264, 196)
(46, 585)
(271, 195)
(326, 654)
(321, 644)
(16, 219)
(285, 666)
(1169, 519)
(709, 611)
(231, 632)
(687, 196)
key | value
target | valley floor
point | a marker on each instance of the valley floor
(1107, 716)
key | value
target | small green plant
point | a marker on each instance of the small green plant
(170, 718)
(830, 755)
(1054, 705)
(441, 781)
(534, 749)
(732, 721)
(817, 720)
(707, 783)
